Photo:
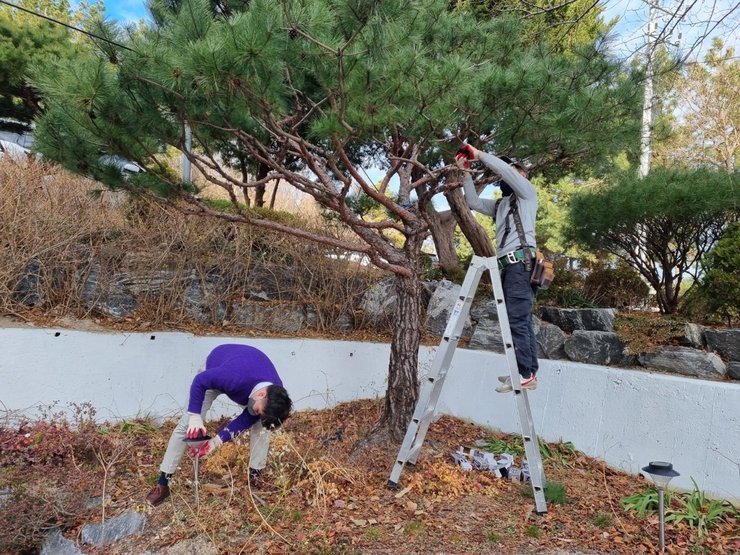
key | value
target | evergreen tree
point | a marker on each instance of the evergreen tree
(313, 90)
(27, 40)
(661, 225)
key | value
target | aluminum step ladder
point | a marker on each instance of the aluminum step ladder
(432, 385)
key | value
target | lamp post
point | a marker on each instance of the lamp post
(661, 473)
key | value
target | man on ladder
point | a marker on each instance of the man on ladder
(516, 251)
(514, 299)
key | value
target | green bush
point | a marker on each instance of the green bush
(567, 289)
(717, 295)
(618, 287)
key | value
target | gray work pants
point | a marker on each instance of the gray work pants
(259, 439)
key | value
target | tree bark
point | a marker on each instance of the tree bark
(442, 226)
(259, 191)
(403, 378)
(473, 231)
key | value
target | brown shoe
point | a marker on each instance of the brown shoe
(158, 494)
(256, 480)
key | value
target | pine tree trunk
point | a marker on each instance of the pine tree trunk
(473, 231)
(403, 378)
(442, 225)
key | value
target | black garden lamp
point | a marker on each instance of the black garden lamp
(661, 473)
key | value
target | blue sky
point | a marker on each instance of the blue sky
(126, 10)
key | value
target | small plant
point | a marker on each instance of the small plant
(602, 520)
(493, 538)
(415, 527)
(512, 445)
(698, 511)
(555, 493)
(533, 531)
(560, 453)
(644, 503)
(374, 533)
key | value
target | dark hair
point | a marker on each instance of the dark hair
(277, 408)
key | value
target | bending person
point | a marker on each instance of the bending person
(247, 377)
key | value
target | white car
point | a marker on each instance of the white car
(126, 166)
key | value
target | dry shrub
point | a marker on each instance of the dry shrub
(61, 231)
(50, 222)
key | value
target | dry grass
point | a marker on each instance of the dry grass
(321, 498)
(64, 228)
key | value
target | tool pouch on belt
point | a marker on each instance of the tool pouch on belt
(542, 272)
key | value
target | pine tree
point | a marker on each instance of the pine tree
(313, 90)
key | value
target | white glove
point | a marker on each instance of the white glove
(196, 428)
(210, 447)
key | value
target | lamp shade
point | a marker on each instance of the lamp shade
(660, 472)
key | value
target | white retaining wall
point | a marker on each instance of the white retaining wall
(624, 417)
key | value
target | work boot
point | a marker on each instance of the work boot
(158, 494)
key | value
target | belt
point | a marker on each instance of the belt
(519, 255)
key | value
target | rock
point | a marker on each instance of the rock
(550, 340)
(484, 311)
(28, 290)
(108, 298)
(487, 337)
(284, 318)
(204, 299)
(724, 342)
(571, 319)
(684, 360)
(594, 347)
(193, 546)
(6, 495)
(694, 336)
(345, 322)
(440, 308)
(114, 529)
(379, 302)
(56, 544)
(152, 283)
(733, 370)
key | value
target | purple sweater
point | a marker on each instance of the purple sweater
(233, 370)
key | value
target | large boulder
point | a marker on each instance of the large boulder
(550, 340)
(733, 370)
(684, 360)
(572, 319)
(487, 336)
(440, 308)
(114, 529)
(595, 347)
(28, 290)
(204, 299)
(282, 318)
(693, 336)
(106, 296)
(724, 342)
(379, 302)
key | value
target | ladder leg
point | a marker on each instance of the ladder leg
(431, 389)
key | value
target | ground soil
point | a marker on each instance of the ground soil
(322, 498)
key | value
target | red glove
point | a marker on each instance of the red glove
(467, 151)
(464, 155)
(209, 447)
